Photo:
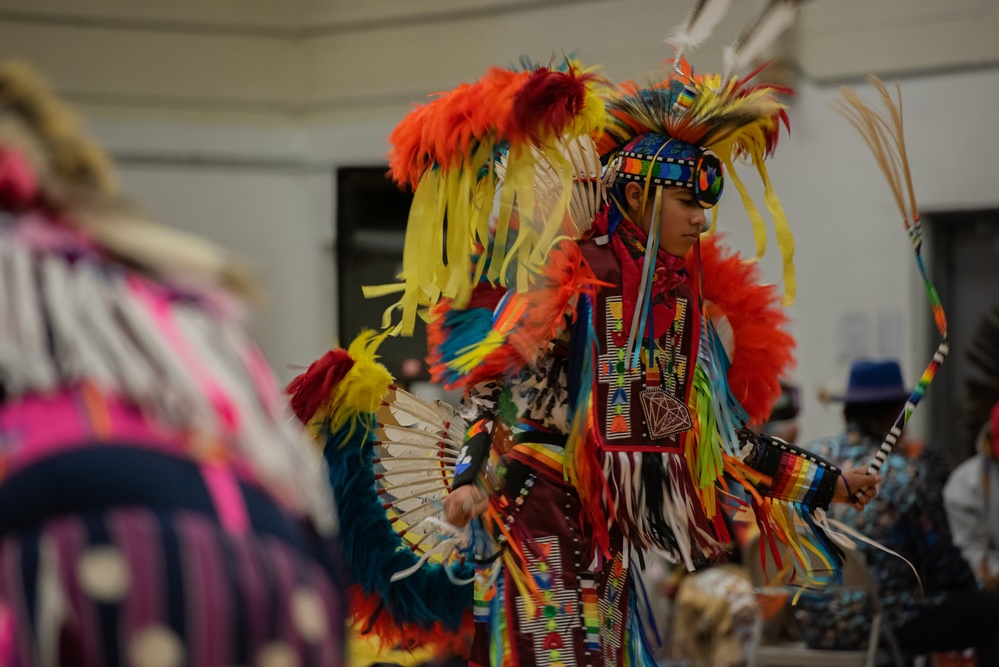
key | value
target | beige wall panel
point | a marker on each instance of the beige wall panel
(154, 69)
(870, 16)
(284, 14)
(337, 14)
(333, 13)
(399, 63)
(895, 37)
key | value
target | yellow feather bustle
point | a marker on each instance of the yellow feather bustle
(506, 198)
(365, 385)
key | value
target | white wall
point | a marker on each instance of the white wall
(251, 189)
(853, 258)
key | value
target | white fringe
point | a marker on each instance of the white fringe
(31, 365)
(63, 322)
(623, 471)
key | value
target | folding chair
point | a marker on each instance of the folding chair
(789, 654)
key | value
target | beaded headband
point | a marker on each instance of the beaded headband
(671, 163)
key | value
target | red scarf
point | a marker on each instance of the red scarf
(628, 243)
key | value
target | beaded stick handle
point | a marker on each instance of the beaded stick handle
(885, 138)
(910, 405)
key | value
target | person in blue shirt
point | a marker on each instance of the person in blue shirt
(908, 517)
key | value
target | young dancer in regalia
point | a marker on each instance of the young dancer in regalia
(609, 353)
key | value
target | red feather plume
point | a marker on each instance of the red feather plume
(369, 610)
(547, 104)
(315, 386)
(763, 350)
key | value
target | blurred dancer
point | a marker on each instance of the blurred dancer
(156, 505)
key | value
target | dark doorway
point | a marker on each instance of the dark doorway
(371, 217)
(965, 248)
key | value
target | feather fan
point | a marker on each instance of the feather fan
(391, 458)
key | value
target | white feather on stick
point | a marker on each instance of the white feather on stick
(698, 26)
(428, 458)
(398, 474)
(413, 515)
(778, 16)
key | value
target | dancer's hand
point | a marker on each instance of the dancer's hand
(464, 504)
(856, 488)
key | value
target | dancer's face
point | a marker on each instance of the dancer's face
(681, 218)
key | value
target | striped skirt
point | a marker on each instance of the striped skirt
(545, 604)
(150, 588)
(115, 554)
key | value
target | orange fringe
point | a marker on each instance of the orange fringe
(529, 320)
(391, 634)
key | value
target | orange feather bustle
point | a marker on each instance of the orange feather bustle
(496, 95)
(369, 609)
(447, 129)
(763, 350)
(527, 321)
(530, 107)
(551, 303)
(408, 157)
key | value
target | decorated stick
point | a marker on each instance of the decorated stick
(910, 406)
(885, 138)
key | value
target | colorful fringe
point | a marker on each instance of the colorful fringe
(426, 608)
(637, 650)
(582, 465)
(751, 320)
(799, 485)
(669, 501)
(650, 497)
(475, 345)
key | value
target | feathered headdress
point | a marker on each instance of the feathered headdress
(516, 160)
(723, 119)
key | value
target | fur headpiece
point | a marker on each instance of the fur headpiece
(48, 135)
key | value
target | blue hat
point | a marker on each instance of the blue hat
(874, 382)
